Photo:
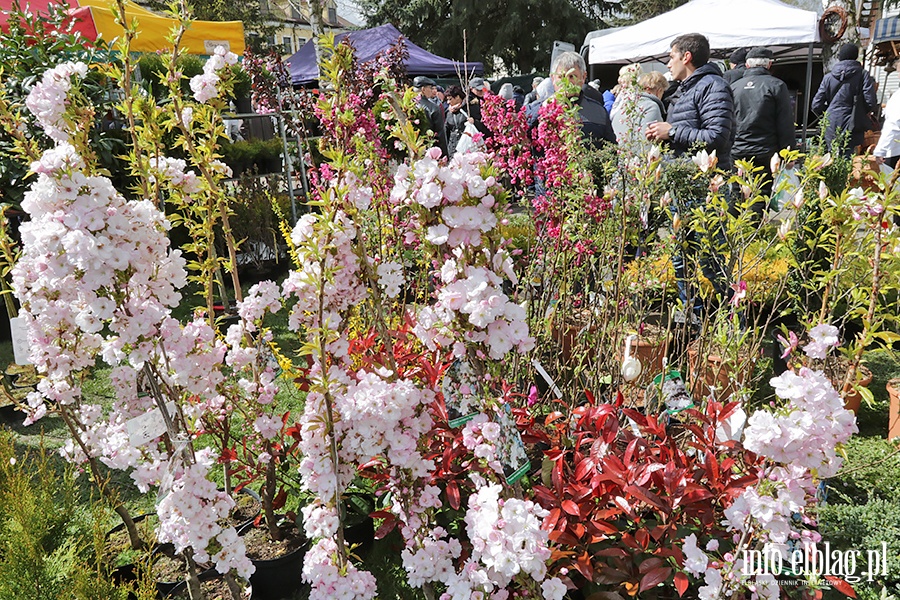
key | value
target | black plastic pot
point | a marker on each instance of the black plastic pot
(278, 578)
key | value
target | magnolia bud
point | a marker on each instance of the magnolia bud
(775, 163)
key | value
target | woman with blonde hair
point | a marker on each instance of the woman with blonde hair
(646, 107)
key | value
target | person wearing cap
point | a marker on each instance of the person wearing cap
(737, 60)
(477, 89)
(848, 85)
(764, 122)
(427, 99)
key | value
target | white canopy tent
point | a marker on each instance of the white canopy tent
(727, 24)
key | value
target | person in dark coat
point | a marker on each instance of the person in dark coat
(427, 99)
(737, 60)
(595, 123)
(477, 89)
(846, 86)
(703, 113)
(457, 117)
(704, 109)
(763, 115)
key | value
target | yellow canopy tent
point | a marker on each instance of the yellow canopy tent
(202, 37)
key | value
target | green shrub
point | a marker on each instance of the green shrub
(871, 471)
(864, 527)
(49, 534)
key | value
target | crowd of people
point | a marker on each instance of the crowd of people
(745, 114)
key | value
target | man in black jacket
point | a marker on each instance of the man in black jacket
(595, 123)
(427, 99)
(763, 115)
(704, 109)
(846, 87)
(703, 114)
(737, 60)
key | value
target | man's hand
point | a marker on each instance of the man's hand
(658, 131)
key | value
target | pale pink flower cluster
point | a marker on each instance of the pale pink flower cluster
(808, 430)
(822, 339)
(466, 198)
(263, 297)
(205, 85)
(432, 560)
(386, 418)
(507, 543)
(474, 294)
(331, 582)
(359, 194)
(800, 441)
(174, 171)
(456, 205)
(317, 472)
(47, 100)
(390, 278)
(90, 260)
(189, 517)
(319, 520)
(327, 259)
(480, 435)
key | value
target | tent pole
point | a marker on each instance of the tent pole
(806, 98)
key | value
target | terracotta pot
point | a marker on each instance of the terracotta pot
(651, 354)
(893, 389)
(721, 376)
(852, 397)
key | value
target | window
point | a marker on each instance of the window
(286, 45)
(301, 42)
(332, 15)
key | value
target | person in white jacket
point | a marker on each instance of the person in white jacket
(888, 148)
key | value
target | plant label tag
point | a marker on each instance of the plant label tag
(510, 448)
(148, 426)
(463, 393)
(19, 340)
(543, 373)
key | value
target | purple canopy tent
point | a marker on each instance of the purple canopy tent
(368, 43)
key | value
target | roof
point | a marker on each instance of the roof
(368, 43)
(727, 24)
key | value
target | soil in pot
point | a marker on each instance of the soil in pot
(278, 563)
(247, 506)
(170, 569)
(893, 389)
(213, 585)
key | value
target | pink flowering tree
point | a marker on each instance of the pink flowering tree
(772, 523)
(98, 280)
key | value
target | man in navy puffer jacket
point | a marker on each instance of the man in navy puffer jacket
(704, 108)
(701, 115)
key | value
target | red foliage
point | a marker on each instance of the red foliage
(620, 503)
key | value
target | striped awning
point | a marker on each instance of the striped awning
(886, 30)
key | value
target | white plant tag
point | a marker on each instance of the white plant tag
(543, 373)
(19, 340)
(147, 426)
